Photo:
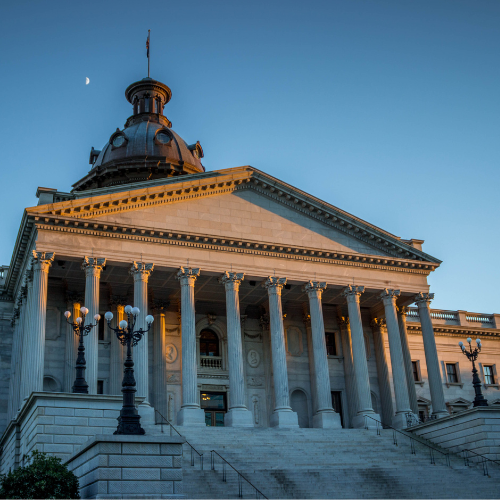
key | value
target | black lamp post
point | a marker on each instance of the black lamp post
(472, 355)
(80, 386)
(129, 419)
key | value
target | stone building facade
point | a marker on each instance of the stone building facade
(271, 307)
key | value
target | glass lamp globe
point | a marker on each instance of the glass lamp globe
(108, 316)
(461, 344)
(128, 309)
(84, 310)
(67, 314)
(469, 340)
(135, 311)
(149, 319)
(79, 320)
(478, 341)
(97, 317)
(123, 324)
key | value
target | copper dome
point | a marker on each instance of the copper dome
(147, 148)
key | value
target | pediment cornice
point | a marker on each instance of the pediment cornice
(221, 182)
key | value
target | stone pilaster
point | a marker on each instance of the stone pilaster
(352, 294)
(379, 330)
(190, 412)
(389, 297)
(117, 350)
(283, 416)
(41, 264)
(15, 362)
(74, 303)
(238, 414)
(160, 396)
(141, 272)
(325, 416)
(431, 358)
(92, 267)
(25, 337)
(405, 345)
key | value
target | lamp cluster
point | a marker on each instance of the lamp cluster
(469, 340)
(130, 311)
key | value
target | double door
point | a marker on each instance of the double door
(214, 405)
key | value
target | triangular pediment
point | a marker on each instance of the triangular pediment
(240, 206)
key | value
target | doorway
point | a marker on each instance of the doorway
(214, 406)
(337, 405)
(299, 405)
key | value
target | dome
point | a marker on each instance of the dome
(146, 148)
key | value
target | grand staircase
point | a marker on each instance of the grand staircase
(316, 463)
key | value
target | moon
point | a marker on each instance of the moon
(87, 81)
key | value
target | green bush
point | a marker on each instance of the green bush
(44, 477)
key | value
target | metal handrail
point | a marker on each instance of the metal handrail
(240, 476)
(193, 449)
(412, 439)
(484, 461)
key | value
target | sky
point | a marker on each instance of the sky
(389, 110)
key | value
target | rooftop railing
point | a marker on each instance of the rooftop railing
(459, 318)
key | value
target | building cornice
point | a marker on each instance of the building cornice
(455, 331)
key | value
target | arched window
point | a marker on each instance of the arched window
(209, 343)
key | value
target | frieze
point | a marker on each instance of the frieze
(255, 381)
(173, 378)
(455, 331)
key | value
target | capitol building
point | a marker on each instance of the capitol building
(279, 320)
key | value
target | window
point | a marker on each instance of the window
(416, 371)
(209, 343)
(101, 329)
(489, 376)
(451, 373)
(331, 347)
(100, 387)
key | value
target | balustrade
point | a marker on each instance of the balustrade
(212, 362)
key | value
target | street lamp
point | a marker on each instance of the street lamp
(129, 419)
(472, 355)
(80, 386)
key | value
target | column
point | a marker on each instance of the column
(41, 264)
(140, 272)
(349, 376)
(352, 294)
(74, 303)
(190, 412)
(238, 414)
(405, 345)
(379, 335)
(325, 417)
(160, 396)
(14, 358)
(389, 297)
(283, 416)
(26, 353)
(93, 268)
(117, 350)
(431, 358)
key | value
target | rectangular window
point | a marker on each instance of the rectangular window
(451, 373)
(100, 387)
(416, 374)
(101, 328)
(331, 348)
(489, 377)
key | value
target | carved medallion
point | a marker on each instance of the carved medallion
(253, 358)
(170, 353)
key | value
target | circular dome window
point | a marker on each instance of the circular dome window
(162, 137)
(118, 141)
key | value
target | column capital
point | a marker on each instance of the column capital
(423, 298)
(274, 283)
(158, 306)
(390, 293)
(74, 297)
(402, 310)
(93, 266)
(42, 260)
(314, 286)
(141, 270)
(378, 323)
(343, 321)
(264, 322)
(353, 292)
(187, 275)
(229, 278)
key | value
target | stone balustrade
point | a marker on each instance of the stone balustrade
(458, 318)
(211, 362)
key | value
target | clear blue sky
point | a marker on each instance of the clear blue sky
(387, 109)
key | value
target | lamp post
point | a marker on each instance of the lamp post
(472, 355)
(80, 386)
(129, 419)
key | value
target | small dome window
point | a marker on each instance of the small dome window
(196, 149)
(163, 137)
(118, 139)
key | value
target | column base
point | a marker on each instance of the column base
(238, 417)
(284, 419)
(441, 414)
(399, 421)
(358, 422)
(194, 417)
(327, 420)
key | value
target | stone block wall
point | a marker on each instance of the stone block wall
(129, 467)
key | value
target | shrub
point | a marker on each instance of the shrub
(43, 477)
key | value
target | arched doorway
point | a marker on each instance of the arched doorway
(299, 405)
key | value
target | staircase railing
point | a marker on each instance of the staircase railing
(193, 449)
(413, 439)
(241, 477)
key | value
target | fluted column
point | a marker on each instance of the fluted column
(431, 358)
(160, 396)
(141, 272)
(75, 302)
(190, 412)
(405, 345)
(325, 417)
(41, 264)
(283, 416)
(379, 330)
(352, 294)
(117, 350)
(25, 336)
(93, 268)
(14, 358)
(238, 414)
(389, 297)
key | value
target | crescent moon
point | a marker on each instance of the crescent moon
(87, 81)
